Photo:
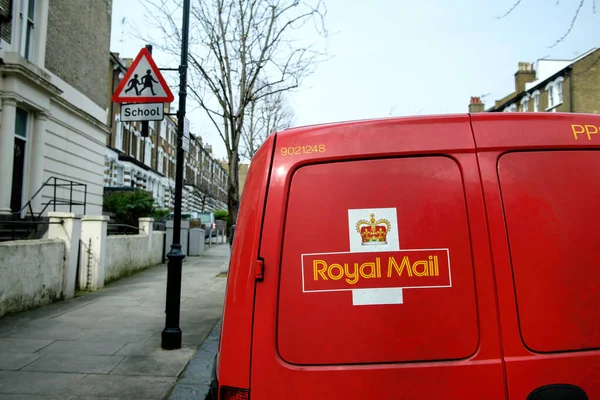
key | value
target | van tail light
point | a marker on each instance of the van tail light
(229, 393)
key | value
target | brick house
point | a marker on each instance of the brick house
(131, 160)
(554, 86)
(53, 79)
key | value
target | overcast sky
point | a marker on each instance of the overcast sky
(396, 57)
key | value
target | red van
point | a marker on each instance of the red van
(447, 257)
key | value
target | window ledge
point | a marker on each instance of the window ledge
(554, 106)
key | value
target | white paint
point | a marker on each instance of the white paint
(70, 233)
(370, 297)
(32, 274)
(389, 214)
(93, 252)
(129, 253)
(7, 139)
(142, 112)
(186, 128)
(375, 296)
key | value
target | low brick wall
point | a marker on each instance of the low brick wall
(31, 274)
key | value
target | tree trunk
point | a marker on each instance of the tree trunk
(233, 190)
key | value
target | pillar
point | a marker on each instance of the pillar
(36, 163)
(70, 233)
(7, 145)
(147, 225)
(93, 252)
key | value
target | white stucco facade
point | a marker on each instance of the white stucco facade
(47, 128)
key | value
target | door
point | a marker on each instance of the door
(18, 175)
(377, 276)
(540, 182)
(19, 161)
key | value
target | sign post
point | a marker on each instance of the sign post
(145, 89)
(171, 334)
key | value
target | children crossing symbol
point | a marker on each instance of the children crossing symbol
(143, 83)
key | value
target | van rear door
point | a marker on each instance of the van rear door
(541, 176)
(377, 278)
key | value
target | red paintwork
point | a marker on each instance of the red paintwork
(233, 363)
(541, 203)
(454, 187)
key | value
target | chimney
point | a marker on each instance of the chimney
(475, 105)
(524, 75)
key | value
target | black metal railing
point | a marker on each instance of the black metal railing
(55, 183)
(122, 229)
(22, 228)
(14, 230)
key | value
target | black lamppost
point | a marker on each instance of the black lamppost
(171, 335)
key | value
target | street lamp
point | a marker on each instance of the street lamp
(171, 334)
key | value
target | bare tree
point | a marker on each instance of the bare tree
(270, 114)
(576, 14)
(241, 51)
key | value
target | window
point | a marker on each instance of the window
(525, 104)
(163, 130)
(550, 96)
(120, 175)
(27, 18)
(161, 160)
(119, 134)
(298, 238)
(138, 154)
(161, 195)
(536, 101)
(148, 152)
(558, 84)
(540, 177)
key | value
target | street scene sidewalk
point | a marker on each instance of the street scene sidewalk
(107, 344)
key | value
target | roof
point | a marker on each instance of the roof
(546, 70)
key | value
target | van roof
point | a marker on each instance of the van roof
(441, 118)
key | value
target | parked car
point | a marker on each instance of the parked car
(205, 218)
(208, 220)
(444, 257)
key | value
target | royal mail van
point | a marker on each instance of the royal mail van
(447, 257)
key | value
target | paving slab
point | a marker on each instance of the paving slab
(157, 365)
(10, 345)
(121, 386)
(96, 348)
(16, 361)
(74, 363)
(42, 383)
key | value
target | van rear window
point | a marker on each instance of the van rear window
(552, 215)
(376, 264)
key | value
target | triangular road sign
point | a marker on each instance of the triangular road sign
(143, 83)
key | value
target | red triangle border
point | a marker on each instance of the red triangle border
(149, 99)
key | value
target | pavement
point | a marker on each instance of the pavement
(106, 345)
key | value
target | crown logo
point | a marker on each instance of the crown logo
(373, 231)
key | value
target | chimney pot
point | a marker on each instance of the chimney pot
(475, 105)
(524, 74)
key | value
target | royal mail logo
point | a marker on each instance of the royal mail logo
(422, 268)
(375, 269)
(373, 232)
